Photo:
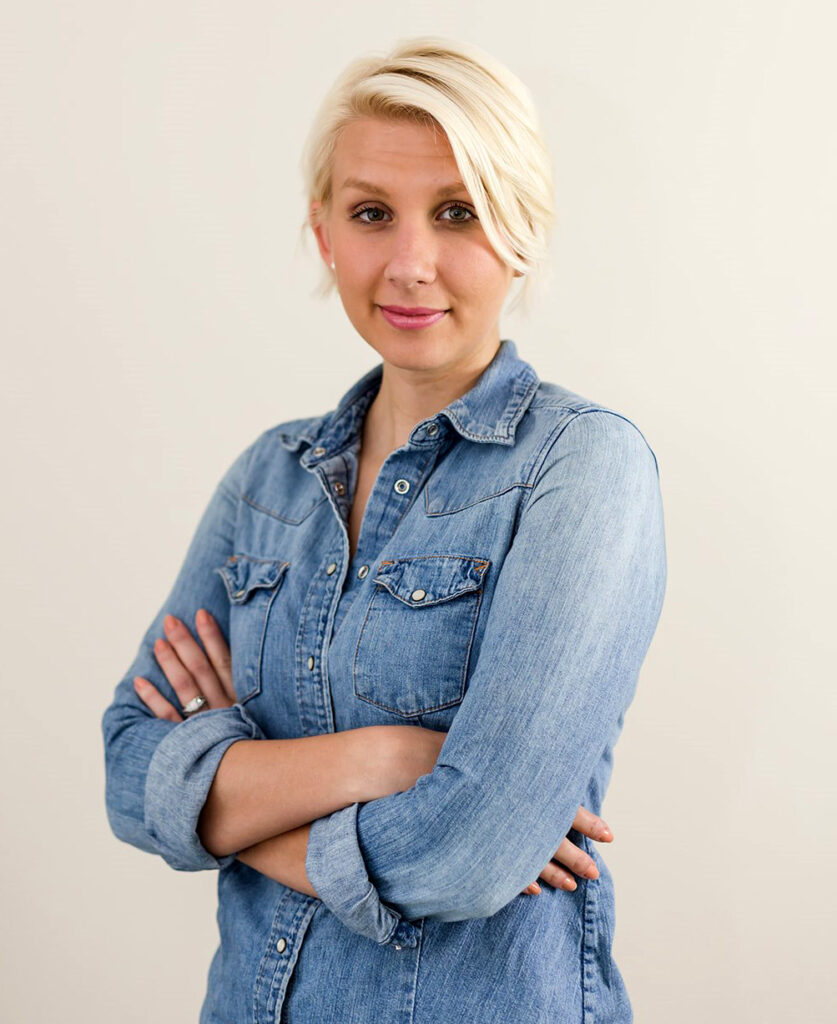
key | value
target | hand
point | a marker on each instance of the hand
(570, 854)
(189, 670)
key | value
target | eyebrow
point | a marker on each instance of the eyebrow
(368, 186)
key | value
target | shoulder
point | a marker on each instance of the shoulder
(284, 439)
(565, 421)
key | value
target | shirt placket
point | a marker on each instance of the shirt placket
(337, 576)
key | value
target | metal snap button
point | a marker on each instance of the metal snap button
(331, 568)
(318, 451)
(362, 571)
(240, 593)
(418, 595)
(432, 429)
(310, 660)
(402, 486)
(339, 488)
(398, 947)
(281, 945)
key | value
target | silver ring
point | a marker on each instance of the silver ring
(195, 704)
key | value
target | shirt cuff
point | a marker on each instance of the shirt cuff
(336, 869)
(180, 775)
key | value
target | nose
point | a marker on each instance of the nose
(413, 255)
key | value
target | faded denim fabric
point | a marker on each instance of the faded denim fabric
(508, 581)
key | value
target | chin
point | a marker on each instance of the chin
(415, 350)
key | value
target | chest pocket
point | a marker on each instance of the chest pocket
(252, 584)
(415, 642)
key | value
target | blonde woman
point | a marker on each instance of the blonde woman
(382, 695)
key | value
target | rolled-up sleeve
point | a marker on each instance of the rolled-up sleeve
(158, 773)
(575, 606)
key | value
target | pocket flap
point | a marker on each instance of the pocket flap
(243, 574)
(422, 580)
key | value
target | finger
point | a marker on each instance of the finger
(198, 671)
(579, 862)
(151, 696)
(592, 826)
(558, 877)
(175, 671)
(217, 650)
(532, 888)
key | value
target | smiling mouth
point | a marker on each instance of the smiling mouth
(411, 320)
(413, 310)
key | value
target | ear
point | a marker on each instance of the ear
(321, 232)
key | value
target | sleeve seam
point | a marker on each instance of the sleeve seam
(553, 438)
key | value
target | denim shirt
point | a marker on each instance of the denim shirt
(507, 583)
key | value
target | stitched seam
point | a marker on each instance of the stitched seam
(582, 960)
(465, 558)
(460, 508)
(419, 950)
(590, 909)
(278, 515)
(549, 444)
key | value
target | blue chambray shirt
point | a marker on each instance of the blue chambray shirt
(508, 580)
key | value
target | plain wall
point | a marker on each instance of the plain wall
(157, 314)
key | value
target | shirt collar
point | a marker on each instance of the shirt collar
(489, 412)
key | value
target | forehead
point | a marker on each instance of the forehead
(392, 154)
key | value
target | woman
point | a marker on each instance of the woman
(437, 598)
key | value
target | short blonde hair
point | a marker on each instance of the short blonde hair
(489, 119)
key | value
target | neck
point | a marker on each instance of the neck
(406, 397)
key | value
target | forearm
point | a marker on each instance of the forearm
(282, 858)
(264, 788)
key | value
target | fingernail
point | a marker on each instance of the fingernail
(569, 884)
(605, 832)
(536, 888)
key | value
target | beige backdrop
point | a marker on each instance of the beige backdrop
(156, 315)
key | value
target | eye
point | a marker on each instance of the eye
(464, 209)
(359, 214)
(367, 209)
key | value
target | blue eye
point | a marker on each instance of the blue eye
(460, 220)
(357, 215)
(367, 209)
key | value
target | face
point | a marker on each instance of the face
(403, 232)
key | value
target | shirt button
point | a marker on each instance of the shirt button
(310, 660)
(432, 429)
(240, 593)
(281, 945)
(402, 486)
(362, 571)
(418, 595)
(339, 488)
(331, 568)
(318, 451)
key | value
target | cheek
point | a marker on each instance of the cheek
(357, 280)
(479, 286)
(476, 267)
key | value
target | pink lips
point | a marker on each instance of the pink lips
(411, 318)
